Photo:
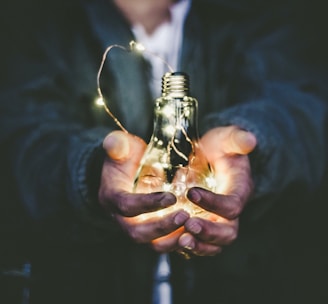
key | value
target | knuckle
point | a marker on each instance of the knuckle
(135, 235)
(124, 208)
(232, 213)
(214, 251)
(217, 250)
(162, 228)
(235, 210)
(104, 203)
(231, 235)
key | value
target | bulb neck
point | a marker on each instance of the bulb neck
(175, 113)
(175, 84)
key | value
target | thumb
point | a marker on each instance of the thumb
(117, 145)
(240, 141)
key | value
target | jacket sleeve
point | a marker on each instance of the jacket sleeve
(51, 151)
(278, 95)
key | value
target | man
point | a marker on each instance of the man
(74, 198)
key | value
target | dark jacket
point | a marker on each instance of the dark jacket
(247, 67)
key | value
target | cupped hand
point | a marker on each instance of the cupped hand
(226, 149)
(118, 200)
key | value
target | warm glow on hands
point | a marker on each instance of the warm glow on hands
(226, 150)
(123, 206)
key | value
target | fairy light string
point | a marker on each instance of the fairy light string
(133, 47)
(137, 47)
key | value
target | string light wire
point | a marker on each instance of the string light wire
(133, 47)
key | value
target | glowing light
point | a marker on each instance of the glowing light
(169, 130)
(168, 111)
(186, 113)
(136, 46)
(179, 189)
(99, 102)
(166, 187)
(161, 213)
(211, 182)
(158, 165)
(133, 47)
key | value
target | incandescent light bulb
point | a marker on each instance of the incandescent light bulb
(174, 160)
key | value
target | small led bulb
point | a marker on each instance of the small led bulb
(99, 102)
(136, 46)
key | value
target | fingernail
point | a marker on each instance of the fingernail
(181, 218)
(194, 196)
(166, 199)
(246, 140)
(194, 228)
(187, 242)
(117, 145)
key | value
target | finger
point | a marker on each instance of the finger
(239, 141)
(116, 145)
(132, 204)
(228, 140)
(154, 228)
(169, 242)
(120, 145)
(228, 206)
(189, 244)
(218, 233)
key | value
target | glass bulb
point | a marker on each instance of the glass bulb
(174, 160)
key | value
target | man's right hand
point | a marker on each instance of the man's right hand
(118, 201)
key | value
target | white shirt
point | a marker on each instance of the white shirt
(165, 42)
